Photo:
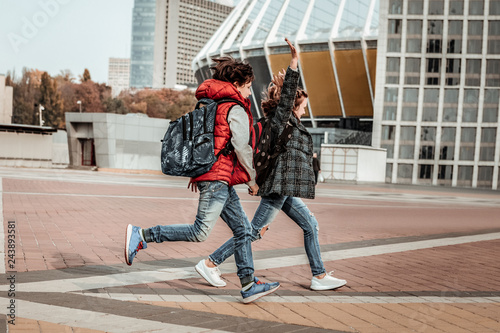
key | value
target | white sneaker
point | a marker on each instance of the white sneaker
(326, 283)
(211, 275)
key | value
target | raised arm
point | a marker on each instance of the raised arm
(289, 88)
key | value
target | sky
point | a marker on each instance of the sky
(56, 35)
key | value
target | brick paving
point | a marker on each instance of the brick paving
(417, 259)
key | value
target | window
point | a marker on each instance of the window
(471, 100)
(445, 174)
(412, 71)
(427, 143)
(473, 72)
(425, 171)
(405, 172)
(436, 7)
(432, 71)
(394, 36)
(392, 70)
(447, 143)
(485, 176)
(389, 113)
(390, 150)
(467, 144)
(450, 105)
(395, 6)
(410, 104)
(475, 37)
(494, 37)
(414, 36)
(431, 101)
(494, 7)
(407, 133)
(488, 139)
(476, 7)
(388, 133)
(388, 171)
(456, 7)
(455, 29)
(465, 175)
(493, 73)
(407, 140)
(453, 72)
(490, 106)
(415, 7)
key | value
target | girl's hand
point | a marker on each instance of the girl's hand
(295, 57)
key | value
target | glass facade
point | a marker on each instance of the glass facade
(143, 44)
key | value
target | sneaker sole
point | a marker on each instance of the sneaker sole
(328, 287)
(203, 275)
(127, 242)
(257, 296)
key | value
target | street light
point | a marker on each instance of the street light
(40, 114)
(79, 103)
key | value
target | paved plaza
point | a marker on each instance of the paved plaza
(416, 259)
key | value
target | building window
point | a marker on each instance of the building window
(456, 7)
(436, 7)
(431, 102)
(447, 143)
(396, 7)
(455, 29)
(488, 139)
(432, 71)
(412, 71)
(473, 72)
(476, 7)
(410, 104)
(485, 176)
(495, 9)
(427, 143)
(414, 36)
(388, 133)
(435, 36)
(445, 174)
(405, 172)
(467, 143)
(490, 106)
(494, 37)
(425, 171)
(389, 113)
(392, 70)
(394, 36)
(388, 172)
(465, 175)
(450, 105)
(415, 7)
(471, 100)
(407, 142)
(453, 72)
(493, 73)
(475, 37)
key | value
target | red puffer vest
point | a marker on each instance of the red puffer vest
(226, 168)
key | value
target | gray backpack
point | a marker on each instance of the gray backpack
(188, 145)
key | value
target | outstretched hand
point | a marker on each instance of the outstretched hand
(295, 57)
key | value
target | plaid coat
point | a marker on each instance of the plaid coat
(293, 174)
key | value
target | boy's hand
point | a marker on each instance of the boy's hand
(295, 57)
(193, 185)
(252, 190)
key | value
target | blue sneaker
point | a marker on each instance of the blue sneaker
(258, 290)
(133, 243)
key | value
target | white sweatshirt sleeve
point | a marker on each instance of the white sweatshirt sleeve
(238, 123)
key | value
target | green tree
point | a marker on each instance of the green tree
(51, 100)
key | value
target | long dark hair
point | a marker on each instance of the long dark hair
(232, 70)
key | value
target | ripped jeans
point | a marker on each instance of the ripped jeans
(294, 208)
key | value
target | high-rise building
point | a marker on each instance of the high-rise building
(143, 43)
(437, 92)
(118, 75)
(182, 29)
(6, 98)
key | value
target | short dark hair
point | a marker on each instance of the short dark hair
(232, 70)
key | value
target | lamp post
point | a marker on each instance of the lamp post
(80, 104)
(41, 108)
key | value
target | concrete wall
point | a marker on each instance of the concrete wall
(129, 141)
(25, 150)
(353, 163)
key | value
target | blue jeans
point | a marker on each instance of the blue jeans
(268, 208)
(216, 199)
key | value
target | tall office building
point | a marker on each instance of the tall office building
(143, 43)
(182, 29)
(437, 92)
(118, 75)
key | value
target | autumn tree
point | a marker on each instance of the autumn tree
(86, 76)
(26, 93)
(51, 100)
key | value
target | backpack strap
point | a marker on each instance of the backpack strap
(228, 149)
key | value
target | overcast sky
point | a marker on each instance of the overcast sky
(54, 35)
